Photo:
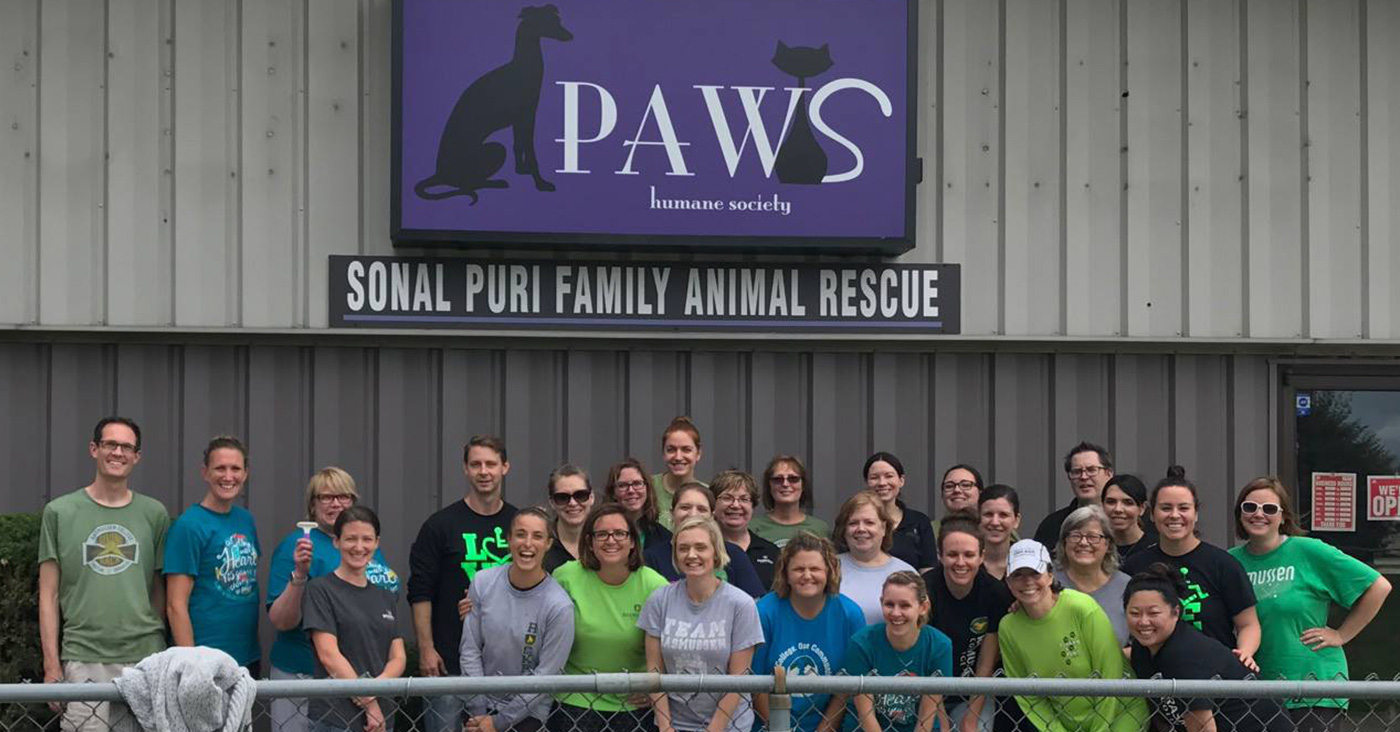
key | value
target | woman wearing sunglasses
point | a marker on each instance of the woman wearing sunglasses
(571, 494)
(1296, 581)
(788, 498)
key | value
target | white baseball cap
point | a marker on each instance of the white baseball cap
(1028, 554)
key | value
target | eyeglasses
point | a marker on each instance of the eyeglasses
(1089, 471)
(631, 485)
(114, 446)
(562, 499)
(734, 499)
(1079, 537)
(964, 486)
(616, 535)
(781, 479)
(1268, 509)
(335, 498)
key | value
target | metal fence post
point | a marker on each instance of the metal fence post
(779, 703)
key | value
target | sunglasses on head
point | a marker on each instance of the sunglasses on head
(1268, 509)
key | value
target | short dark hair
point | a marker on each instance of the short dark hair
(976, 476)
(882, 457)
(125, 421)
(961, 523)
(1003, 491)
(1131, 485)
(587, 558)
(224, 442)
(1105, 457)
(356, 512)
(495, 443)
(805, 500)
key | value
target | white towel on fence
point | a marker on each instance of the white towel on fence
(189, 690)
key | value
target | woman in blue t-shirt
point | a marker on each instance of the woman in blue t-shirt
(903, 645)
(807, 624)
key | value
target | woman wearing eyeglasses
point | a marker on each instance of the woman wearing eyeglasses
(1220, 601)
(571, 495)
(736, 494)
(914, 540)
(788, 498)
(961, 488)
(299, 558)
(691, 500)
(1297, 580)
(628, 486)
(1086, 560)
(609, 585)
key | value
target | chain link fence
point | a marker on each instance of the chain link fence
(696, 703)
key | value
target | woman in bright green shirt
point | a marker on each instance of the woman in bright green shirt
(1296, 581)
(1062, 633)
(608, 584)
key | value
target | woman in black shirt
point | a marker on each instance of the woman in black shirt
(1165, 647)
(913, 532)
(1125, 502)
(1219, 599)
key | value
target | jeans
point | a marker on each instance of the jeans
(442, 714)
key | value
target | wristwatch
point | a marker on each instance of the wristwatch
(298, 581)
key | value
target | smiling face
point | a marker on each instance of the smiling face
(1260, 524)
(960, 490)
(1174, 513)
(485, 470)
(631, 490)
(1151, 618)
(357, 542)
(689, 503)
(1029, 587)
(1123, 512)
(115, 454)
(786, 484)
(806, 575)
(735, 508)
(612, 540)
(999, 521)
(1087, 475)
(884, 480)
(961, 558)
(681, 454)
(902, 609)
(864, 531)
(572, 489)
(329, 505)
(1086, 545)
(529, 540)
(225, 474)
(694, 553)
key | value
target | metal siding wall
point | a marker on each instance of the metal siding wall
(396, 418)
(1100, 167)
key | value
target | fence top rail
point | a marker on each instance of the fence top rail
(623, 683)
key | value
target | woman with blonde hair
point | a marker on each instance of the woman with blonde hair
(807, 625)
(303, 555)
(700, 624)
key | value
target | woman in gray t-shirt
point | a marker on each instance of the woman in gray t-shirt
(700, 625)
(1087, 560)
(521, 624)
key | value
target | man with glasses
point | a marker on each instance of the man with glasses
(452, 546)
(100, 551)
(1088, 467)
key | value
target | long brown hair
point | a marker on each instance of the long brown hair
(1289, 526)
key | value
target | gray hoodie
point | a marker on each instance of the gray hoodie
(513, 632)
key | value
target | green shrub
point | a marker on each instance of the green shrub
(20, 655)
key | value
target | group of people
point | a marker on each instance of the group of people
(666, 573)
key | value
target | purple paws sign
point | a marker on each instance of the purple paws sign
(709, 124)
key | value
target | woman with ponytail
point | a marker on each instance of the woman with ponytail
(1219, 599)
(1165, 647)
(904, 645)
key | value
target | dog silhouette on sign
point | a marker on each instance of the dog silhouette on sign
(506, 96)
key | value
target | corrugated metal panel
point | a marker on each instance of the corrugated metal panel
(200, 159)
(396, 418)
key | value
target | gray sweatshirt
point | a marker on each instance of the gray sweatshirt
(512, 632)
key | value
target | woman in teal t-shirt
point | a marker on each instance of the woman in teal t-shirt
(903, 645)
(609, 585)
(1296, 581)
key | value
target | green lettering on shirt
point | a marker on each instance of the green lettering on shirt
(479, 554)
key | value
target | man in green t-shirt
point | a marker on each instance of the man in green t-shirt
(101, 604)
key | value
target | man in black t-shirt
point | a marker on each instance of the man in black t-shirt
(453, 545)
(1087, 467)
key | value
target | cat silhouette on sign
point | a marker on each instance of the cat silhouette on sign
(506, 96)
(801, 159)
